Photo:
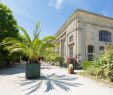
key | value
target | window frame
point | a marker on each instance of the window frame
(105, 36)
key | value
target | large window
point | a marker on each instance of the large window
(71, 38)
(104, 36)
(90, 52)
(71, 52)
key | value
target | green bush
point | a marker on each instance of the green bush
(61, 61)
(102, 66)
(65, 65)
(91, 71)
(2, 61)
(86, 64)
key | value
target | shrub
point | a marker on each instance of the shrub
(65, 65)
(102, 66)
(86, 64)
(91, 71)
(61, 61)
(2, 61)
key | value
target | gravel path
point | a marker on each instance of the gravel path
(53, 81)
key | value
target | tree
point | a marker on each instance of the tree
(8, 24)
(7, 29)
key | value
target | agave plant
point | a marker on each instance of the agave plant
(33, 48)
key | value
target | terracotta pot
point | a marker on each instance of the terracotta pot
(70, 69)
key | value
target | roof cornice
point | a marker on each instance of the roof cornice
(92, 13)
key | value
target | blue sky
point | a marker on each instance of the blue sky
(53, 13)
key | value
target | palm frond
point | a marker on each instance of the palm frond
(48, 38)
(36, 43)
(26, 35)
(17, 50)
(37, 30)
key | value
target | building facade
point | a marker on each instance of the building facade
(84, 34)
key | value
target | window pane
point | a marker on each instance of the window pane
(90, 49)
(71, 52)
(100, 33)
(104, 36)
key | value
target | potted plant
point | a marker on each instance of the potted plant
(32, 48)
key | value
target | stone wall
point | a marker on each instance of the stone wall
(91, 25)
(85, 29)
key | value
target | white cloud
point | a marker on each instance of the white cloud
(56, 3)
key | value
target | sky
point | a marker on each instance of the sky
(53, 13)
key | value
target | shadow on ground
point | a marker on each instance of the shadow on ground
(51, 81)
(16, 69)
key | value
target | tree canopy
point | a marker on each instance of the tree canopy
(8, 28)
(8, 24)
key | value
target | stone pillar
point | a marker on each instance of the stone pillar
(66, 43)
(79, 39)
(60, 47)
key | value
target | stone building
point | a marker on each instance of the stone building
(84, 34)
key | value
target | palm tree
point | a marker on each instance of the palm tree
(33, 48)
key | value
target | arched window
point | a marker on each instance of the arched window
(71, 38)
(104, 36)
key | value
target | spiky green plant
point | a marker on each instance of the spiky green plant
(33, 48)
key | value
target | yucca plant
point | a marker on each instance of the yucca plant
(33, 48)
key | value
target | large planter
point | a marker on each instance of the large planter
(33, 70)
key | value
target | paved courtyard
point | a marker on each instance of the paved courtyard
(53, 81)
